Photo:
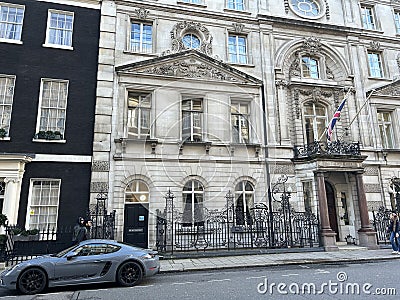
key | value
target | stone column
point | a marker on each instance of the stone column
(283, 117)
(328, 236)
(366, 234)
(11, 199)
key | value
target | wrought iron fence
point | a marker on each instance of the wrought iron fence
(230, 228)
(381, 220)
(23, 244)
(331, 148)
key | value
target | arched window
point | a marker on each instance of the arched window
(244, 198)
(310, 67)
(137, 192)
(191, 41)
(193, 195)
(315, 121)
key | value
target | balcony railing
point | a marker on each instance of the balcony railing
(326, 149)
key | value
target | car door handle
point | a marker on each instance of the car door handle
(97, 261)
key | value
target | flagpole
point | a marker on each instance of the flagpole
(326, 128)
(362, 106)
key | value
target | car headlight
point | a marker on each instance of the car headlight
(8, 271)
(148, 256)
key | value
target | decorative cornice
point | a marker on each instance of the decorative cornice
(286, 3)
(371, 171)
(372, 188)
(11, 179)
(142, 13)
(392, 89)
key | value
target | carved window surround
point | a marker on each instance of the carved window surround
(143, 16)
(190, 27)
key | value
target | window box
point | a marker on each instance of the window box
(49, 135)
(23, 235)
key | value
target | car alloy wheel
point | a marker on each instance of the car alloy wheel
(129, 274)
(32, 281)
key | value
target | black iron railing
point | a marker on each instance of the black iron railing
(330, 148)
(380, 221)
(230, 228)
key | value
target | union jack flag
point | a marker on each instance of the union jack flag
(332, 123)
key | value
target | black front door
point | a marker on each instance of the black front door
(330, 197)
(136, 221)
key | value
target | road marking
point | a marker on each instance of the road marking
(256, 277)
(138, 286)
(286, 275)
(218, 280)
(320, 271)
(187, 282)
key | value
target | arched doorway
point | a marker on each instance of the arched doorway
(330, 197)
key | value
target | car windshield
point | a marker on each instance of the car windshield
(62, 253)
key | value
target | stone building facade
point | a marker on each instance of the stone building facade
(203, 97)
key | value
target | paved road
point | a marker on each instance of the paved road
(333, 281)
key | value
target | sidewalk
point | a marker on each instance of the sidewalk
(345, 254)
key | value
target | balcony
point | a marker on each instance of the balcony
(331, 149)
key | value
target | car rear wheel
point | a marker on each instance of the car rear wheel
(129, 274)
(32, 281)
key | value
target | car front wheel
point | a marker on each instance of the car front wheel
(32, 281)
(129, 274)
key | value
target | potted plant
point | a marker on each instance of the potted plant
(57, 135)
(3, 133)
(41, 135)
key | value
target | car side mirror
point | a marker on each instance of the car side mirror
(71, 256)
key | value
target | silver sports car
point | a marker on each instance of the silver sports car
(90, 261)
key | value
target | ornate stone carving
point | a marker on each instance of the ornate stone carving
(282, 169)
(316, 93)
(312, 45)
(100, 166)
(97, 187)
(281, 83)
(286, 3)
(196, 28)
(238, 27)
(11, 179)
(329, 73)
(294, 69)
(327, 10)
(296, 103)
(371, 171)
(372, 188)
(374, 205)
(374, 45)
(142, 13)
(190, 68)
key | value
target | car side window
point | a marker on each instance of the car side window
(96, 249)
(112, 248)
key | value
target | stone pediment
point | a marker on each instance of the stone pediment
(391, 89)
(189, 64)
